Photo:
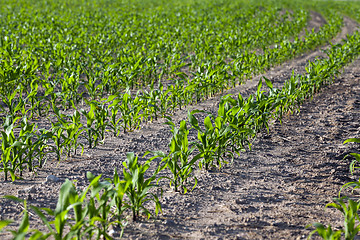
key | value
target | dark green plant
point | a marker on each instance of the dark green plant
(73, 129)
(326, 233)
(130, 112)
(101, 117)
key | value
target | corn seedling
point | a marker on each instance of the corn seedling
(114, 123)
(101, 118)
(139, 186)
(348, 207)
(213, 141)
(355, 155)
(91, 134)
(179, 160)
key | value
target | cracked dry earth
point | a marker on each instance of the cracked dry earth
(271, 192)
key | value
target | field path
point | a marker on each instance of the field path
(271, 192)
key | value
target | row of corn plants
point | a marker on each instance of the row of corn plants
(92, 212)
(43, 79)
(239, 119)
(79, 215)
(68, 56)
(347, 205)
(121, 112)
(219, 138)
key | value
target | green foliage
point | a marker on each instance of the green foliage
(180, 160)
(214, 142)
(90, 213)
(65, 132)
(91, 134)
(350, 210)
(326, 233)
(139, 186)
(130, 112)
(355, 155)
(113, 109)
(153, 58)
(22, 148)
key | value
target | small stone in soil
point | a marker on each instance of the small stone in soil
(143, 225)
(52, 178)
(169, 222)
(31, 189)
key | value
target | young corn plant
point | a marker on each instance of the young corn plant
(214, 142)
(91, 134)
(20, 146)
(91, 85)
(351, 229)
(34, 145)
(101, 118)
(70, 85)
(104, 197)
(150, 99)
(73, 129)
(58, 132)
(114, 123)
(130, 112)
(179, 160)
(356, 184)
(13, 101)
(355, 155)
(75, 217)
(23, 230)
(120, 188)
(12, 149)
(236, 115)
(33, 99)
(326, 233)
(348, 207)
(58, 137)
(41, 148)
(164, 98)
(139, 186)
(70, 203)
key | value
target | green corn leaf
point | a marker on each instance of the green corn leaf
(193, 121)
(43, 217)
(268, 83)
(15, 199)
(207, 123)
(4, 223)
(259, 86)
(67, 193)
(355, 140)
(19, 236)
(24, 225)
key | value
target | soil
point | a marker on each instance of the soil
(271, 192)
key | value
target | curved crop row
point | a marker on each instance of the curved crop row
(237, 122)
(105, 52)
(121, 111)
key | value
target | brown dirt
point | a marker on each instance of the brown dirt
(271, 192)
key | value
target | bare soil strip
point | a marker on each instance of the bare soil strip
(271, 192)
